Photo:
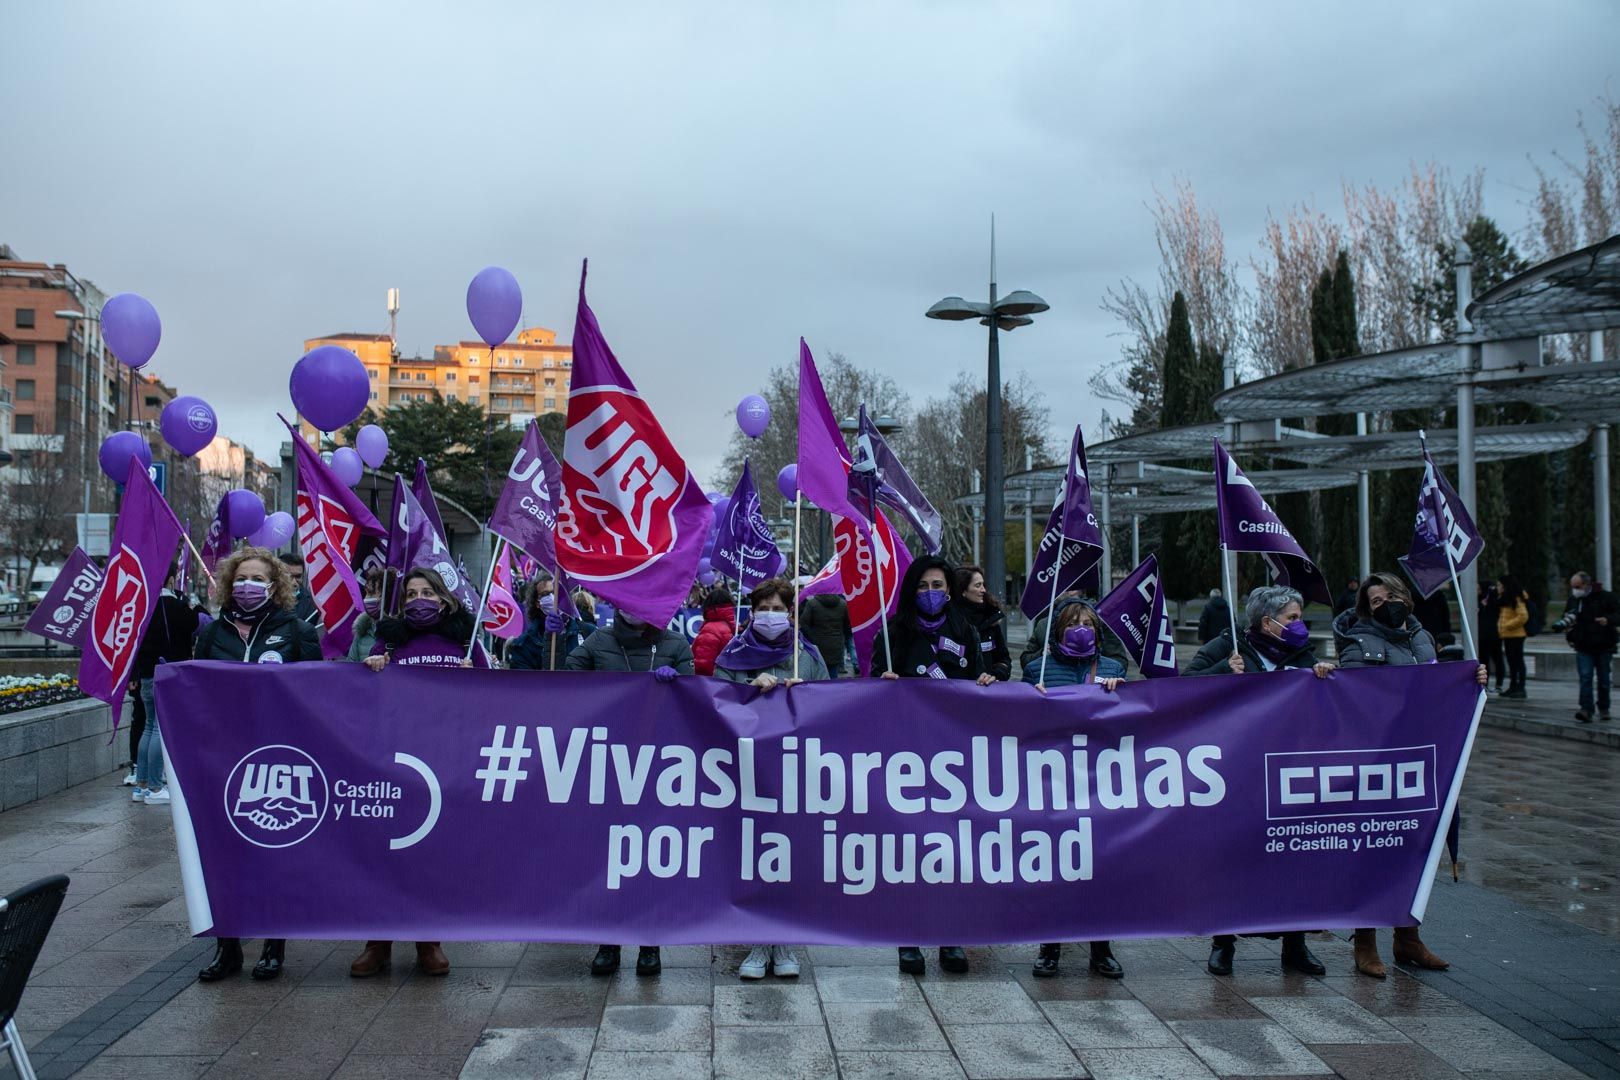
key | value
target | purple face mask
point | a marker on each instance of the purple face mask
(423, 611)
(932, 601)
(250, 595)
(1078, 643)
(373, 605)
(1296, 635)
(548, 603)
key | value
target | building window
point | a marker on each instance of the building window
(472, 378)
(374, 395)
(517, 361)
(551, 403)
(452, 396)
(500, 361)
(25, 356)
(25, 389)
(449, 376)
(25, 318)
(371, 372)
(473, 360)
(472, 399)
(421, 376)
(547, 362)
(24, 425)
(550, 383)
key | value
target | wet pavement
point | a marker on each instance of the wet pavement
(1533, 930)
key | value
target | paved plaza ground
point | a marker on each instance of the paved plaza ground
(1532, 930)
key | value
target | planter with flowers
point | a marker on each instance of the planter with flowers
(19, 692)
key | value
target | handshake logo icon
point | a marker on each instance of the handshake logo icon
(276, 796)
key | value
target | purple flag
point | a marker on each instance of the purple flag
(336, 533)
(1135, 612)
(428, 506)
(1249, 524)
(1073, 528)
(526, 515)
(64, 614)
(413, 544)
(143, 545)
(633, 517)
(1063, 808)
(423, 490)
(1444, 537)
(745, 545)
(216, 546)
(877, 472)
(824, 461)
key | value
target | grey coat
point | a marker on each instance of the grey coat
(811, 669)
(1365, 643)
(619, 648)
(365, 636)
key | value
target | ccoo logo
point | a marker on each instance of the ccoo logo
(276, 796)
(121, 613)
(620, 487)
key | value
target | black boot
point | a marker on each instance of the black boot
(227, 960)
(911, 960)
(1222, 947)
(953, 958)
(1296, 957)
(606, 960)
(1046, 961)
(1103, 962)
(269, 965)
(648, 962)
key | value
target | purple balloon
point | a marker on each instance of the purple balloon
(330, 387)
(494, 303)
(705, 567)
(347, 465)
(753, 415)
(713, 497)
(721, 508)
(118, 450)
(278, 528)
(787, 482)
(131, 328)
(372, 443)
(246, 511)
(188, 424)
(706, 579)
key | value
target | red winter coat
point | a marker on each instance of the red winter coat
(718, 624)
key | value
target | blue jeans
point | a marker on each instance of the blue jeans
(149, 757)
(1588, 664)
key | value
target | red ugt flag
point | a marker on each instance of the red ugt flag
(503, 616)
(143, 546)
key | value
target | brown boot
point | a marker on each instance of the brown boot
(1367, 962)
(431, 959)
(1409, 949)
(372, 959)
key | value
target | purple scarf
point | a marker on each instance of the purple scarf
(746, 652)
(1271, 648)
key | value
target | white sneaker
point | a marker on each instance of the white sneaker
(129, 781)
(784, 962)
(759, 958)
(157, 797)
(139, 795)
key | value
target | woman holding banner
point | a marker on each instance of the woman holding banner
(549, 635)
(1380, 631)
(984, 612)
(762, 657)
(365, 625)
(927, 639)
(256, 625)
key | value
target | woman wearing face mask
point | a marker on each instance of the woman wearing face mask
(632, 644)
(255, 626)
(1075, 659)
(928, 639)
(1380, 631)
(550, 635)
(365, 626)
(1277, 640)
(762, 657)
(984, 611)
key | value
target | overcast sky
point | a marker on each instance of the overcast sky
(739, 174)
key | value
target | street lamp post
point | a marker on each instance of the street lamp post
(1008, 313)
(90, 321)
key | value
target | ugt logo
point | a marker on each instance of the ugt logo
(121, 612)
(276, 796)
(620, 487)
(856, 569)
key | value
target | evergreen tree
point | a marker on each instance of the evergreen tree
(1189, 559)
(1334, 336)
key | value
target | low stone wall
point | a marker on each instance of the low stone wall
(45, 750)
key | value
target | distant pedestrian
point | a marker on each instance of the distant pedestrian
(1215, 619)
(1347, 599)
(1490, 641)
(167, 640)
(719, 625)
(1591, 625)
(824, 622)
(1512, 618)
(304, 604)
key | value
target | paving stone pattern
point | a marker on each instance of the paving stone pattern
(1532, 930)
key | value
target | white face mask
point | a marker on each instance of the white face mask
(771, 625)
(1579, 594)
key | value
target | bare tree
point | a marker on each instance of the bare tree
(1294, 251)
(37, 507)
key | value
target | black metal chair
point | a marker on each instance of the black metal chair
(25, 920)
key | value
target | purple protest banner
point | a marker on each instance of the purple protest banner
(876, 475)
(745, 545)
(1071, 547)
(633, 517)
(143, 545)
(440, 804)
(1444, 539)
(1249, 524)
(526, 515)
(64, 614)
(216, 545)
(1135, 612)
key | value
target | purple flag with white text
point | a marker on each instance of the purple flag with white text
(1135, 612)
(745, 546)
(633, 517)
(1072, 545)
(876, 471)
(422, 492)
(64, 614)
(1249, 524)
(526, 515)
(414, 544)
(1444, 536)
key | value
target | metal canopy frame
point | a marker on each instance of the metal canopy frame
(1578, 293)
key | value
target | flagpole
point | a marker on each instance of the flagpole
(211, 583)
(1470, 650)
(1051, 607)
(483, 597)
(1231, 594)
(798, 517)
(877, 563)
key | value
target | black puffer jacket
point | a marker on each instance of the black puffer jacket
(281, 638)
(1215, 658)
(620, 648)
(913, 651)
(393, 632)
(991, 625)
(1581, 615)
(1364, 643)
